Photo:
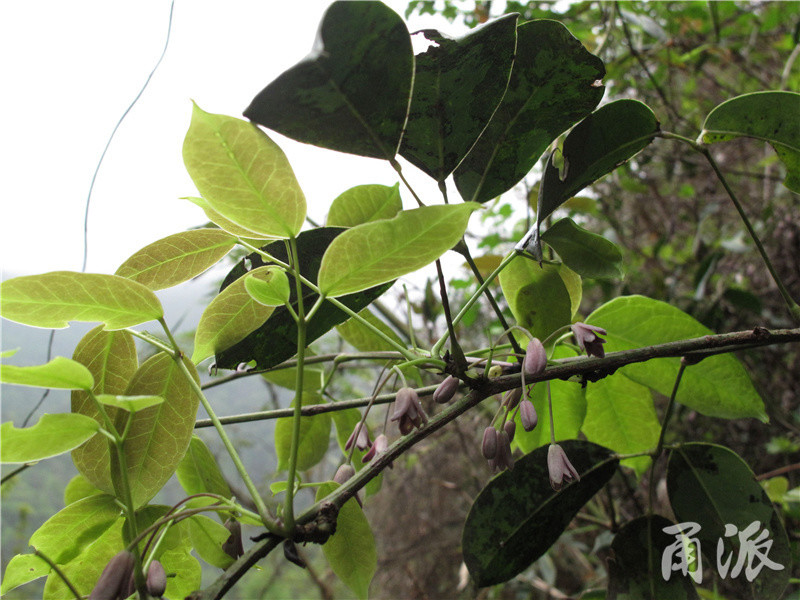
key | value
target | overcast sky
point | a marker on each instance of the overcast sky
(70, 69)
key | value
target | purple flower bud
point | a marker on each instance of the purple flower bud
(527, 415)
(535, 358)
(113, 580)
(504, 460)
(446, 390)
(489, 444)
(588, 340)
(560, 469)
(233, 545)
(510, 428)
(363, 442)
(408, 410)
(156, 579)
(380, 445)
(512, 398)
(344, 473)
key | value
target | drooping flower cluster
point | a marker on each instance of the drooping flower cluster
(408, 411)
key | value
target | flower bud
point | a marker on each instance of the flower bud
(380, 445)
(527, 415)
(446, 390)
(408, 410)
(560, 469)
(512, 398)
(114, 578)
(489, 444)
(156, 579)
(535, 358)
(504, 459)
(510, 428)
(233, 545)
(344, 473)
(291, 554)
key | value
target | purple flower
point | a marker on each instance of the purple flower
(344, 473)
(503, 460)
(380, 445)
(588, 340)
(233, 545)
(560, 469)
(510, 428)
(535, 358)
(362, 442)
(528, 416)
(113, 581)
(408, 411)
(512, 397)
(156, 579)
(489, 443)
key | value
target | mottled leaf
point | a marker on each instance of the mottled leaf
(554, 84)
(52, 300)
(458, 84)
(243, 175)
(352, 92)
(517, 516)
(176, 258)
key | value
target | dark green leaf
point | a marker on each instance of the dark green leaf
(352, 92)
(596, 146)
(458, 84)
(553, 85)
(588, 254)
(712, 486)
(632, 576)
(276, 340)
(768, 116)
(518, 516)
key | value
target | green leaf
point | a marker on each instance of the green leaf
(768, 116)
(66, 534)
(131, 404)
(198, 471)
(458, 84)
(362, 338)
(111, 358)
(554, 84)
(228, 318)
(718, 387)
(364, 203)
(22, 569)
(79, 488)
(8, 353)
(269, 287)
(226, 224)
(60, 373)
(588, 254)
(596, 146)
(620, 416)
(374, 253)
(351, 550)
(53, 299)
(635, 564)
(315, 434)
(207, 537)
(352, 92)
(276, 340)
(517, 516)
(51, 436)
(176, 258)
(287, 378)
(158, 436)
(712, 486)
(243, 175)
(569, 409)
(542, 299)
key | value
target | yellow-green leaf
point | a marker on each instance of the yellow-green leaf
(270, 287)
(243, 175)
(229, 317)
(315, 433)
(129, 404)
(60, 373)
(51, 436)
(226, 224)
(176, 258)
(374, 253)
(364, 203)
(52, 300)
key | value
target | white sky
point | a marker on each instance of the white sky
(69, 71)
